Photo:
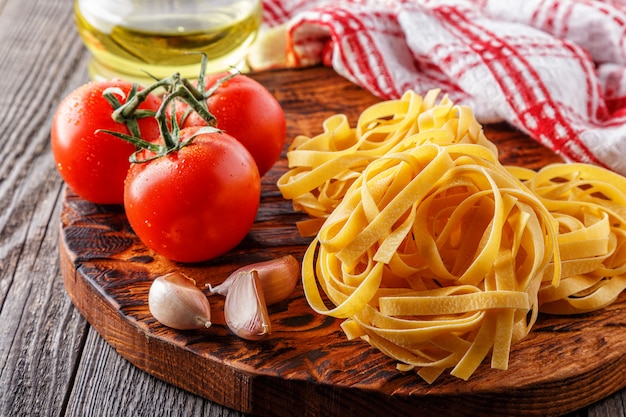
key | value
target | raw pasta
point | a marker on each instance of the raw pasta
(323, 167)
(434, 252)
(589, 204)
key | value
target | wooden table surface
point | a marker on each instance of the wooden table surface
(52, 363)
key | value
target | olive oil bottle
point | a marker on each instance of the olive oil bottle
(130, 39)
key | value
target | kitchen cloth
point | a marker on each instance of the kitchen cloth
(555, 69)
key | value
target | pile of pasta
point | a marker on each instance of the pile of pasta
(432, 250)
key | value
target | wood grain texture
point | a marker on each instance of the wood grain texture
(307, 367)
(41, 332)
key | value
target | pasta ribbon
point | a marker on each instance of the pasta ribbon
(434, 252)
(323, 167)
(589, 203)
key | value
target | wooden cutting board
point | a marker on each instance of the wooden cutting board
(307, 367)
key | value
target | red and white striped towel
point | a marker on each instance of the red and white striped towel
(555, 69)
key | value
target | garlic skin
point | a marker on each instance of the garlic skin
(176, 302)
(245, 310)
(278, 278)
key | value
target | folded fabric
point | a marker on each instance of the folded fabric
(555, 69)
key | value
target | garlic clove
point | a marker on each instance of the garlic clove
(176, 302)
(223, 288)
(278, 278)
(245, 311)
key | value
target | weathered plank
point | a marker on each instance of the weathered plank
(41, 332)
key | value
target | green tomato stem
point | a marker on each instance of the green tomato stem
(176, 89)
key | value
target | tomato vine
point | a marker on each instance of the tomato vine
(177, 89)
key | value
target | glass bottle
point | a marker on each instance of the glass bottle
(129, 39)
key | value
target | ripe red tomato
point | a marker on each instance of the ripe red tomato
(246, 110)
(196, 203)
(92, 164)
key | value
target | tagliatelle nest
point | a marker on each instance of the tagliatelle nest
(433, 251)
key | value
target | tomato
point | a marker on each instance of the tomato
(95, 164)
(246, 110)
(197, 202)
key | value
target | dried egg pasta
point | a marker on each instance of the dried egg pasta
(589, 204)
(434, 252)
(323, 167)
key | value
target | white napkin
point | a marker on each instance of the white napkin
(555, 69)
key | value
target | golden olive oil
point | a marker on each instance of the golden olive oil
(131, 38)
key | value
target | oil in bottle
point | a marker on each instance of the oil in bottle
(130, 39)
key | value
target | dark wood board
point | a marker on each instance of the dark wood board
(307, 367)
